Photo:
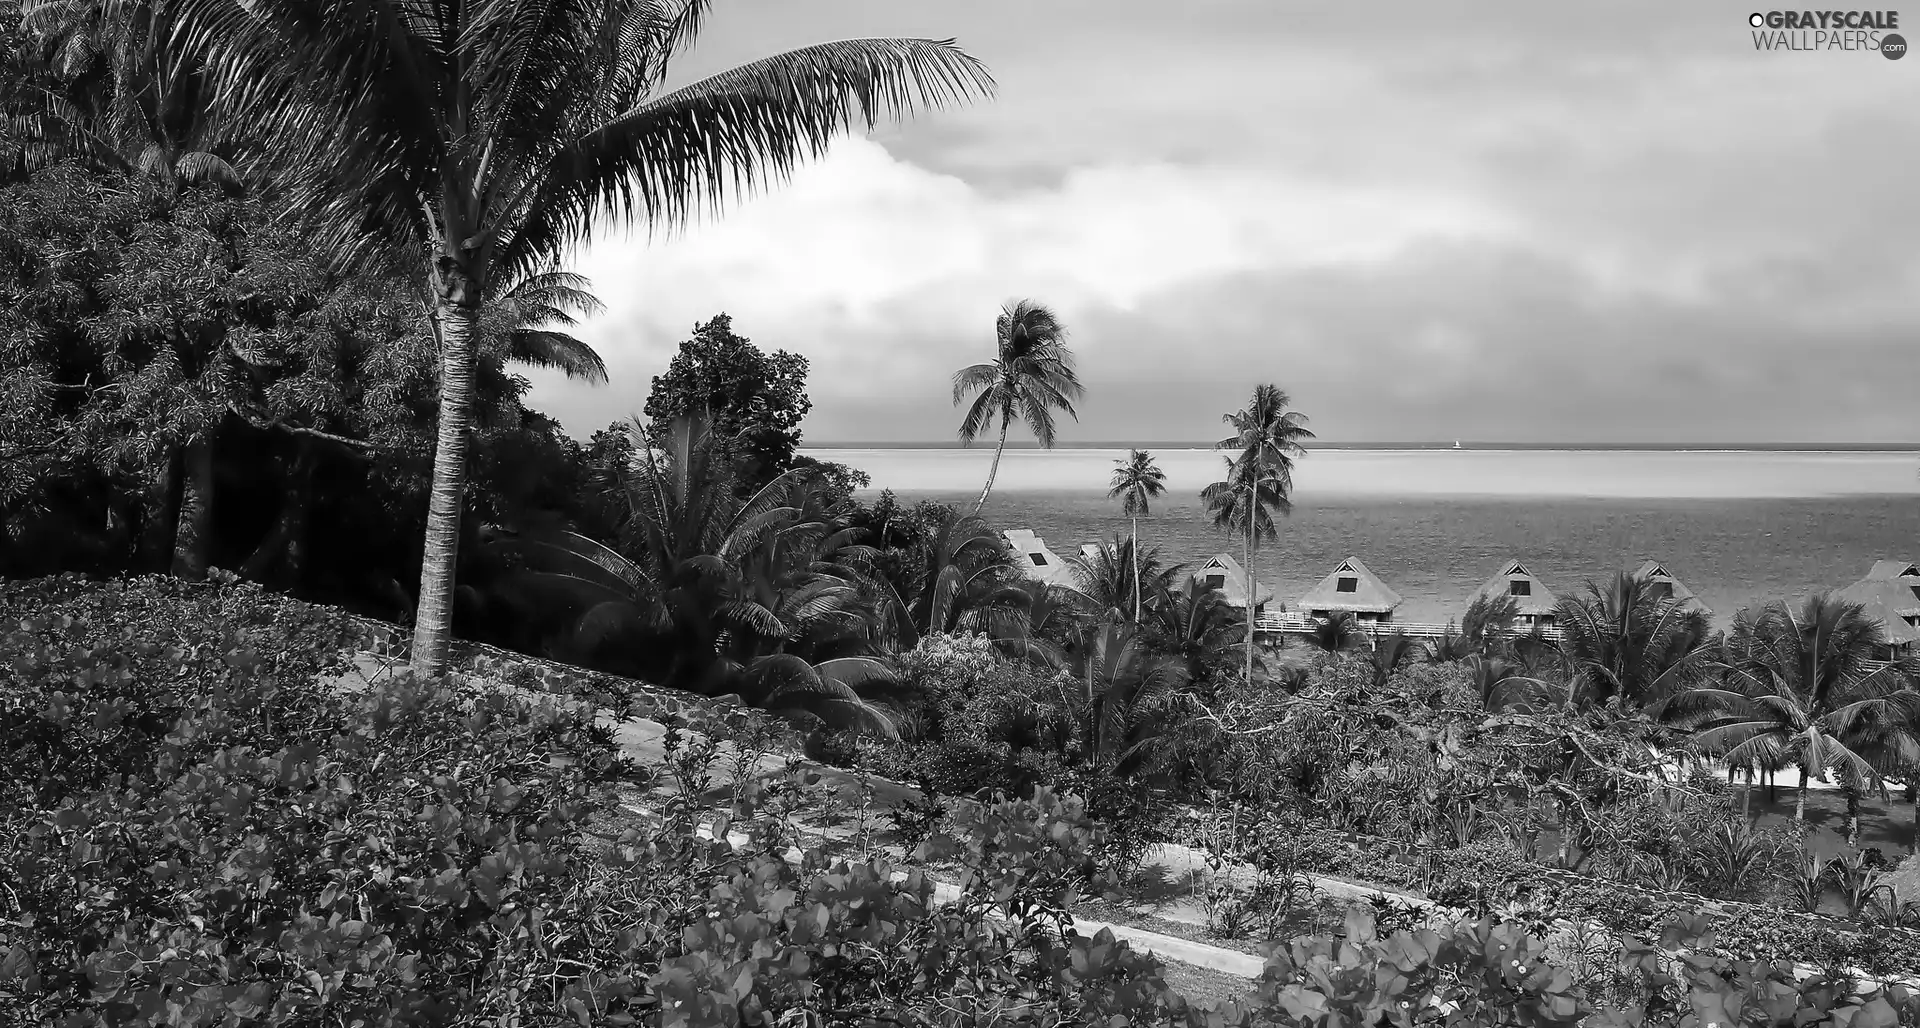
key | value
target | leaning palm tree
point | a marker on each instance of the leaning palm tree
(491, 137)
(1030, 377)
(1265, 442)
(1802, 689)
(1136, 480)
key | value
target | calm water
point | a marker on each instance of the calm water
(1736, 527)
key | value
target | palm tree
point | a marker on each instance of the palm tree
(1112, 575)
(1031, 376)
(1259, 484)
(491, 137)
(1802, 688)
(1625, 642)
(539, 308)
(1116, 701)
(1136, 480)
(1195, 624)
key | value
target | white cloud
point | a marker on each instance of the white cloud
(862, 250)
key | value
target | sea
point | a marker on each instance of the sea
(1738, 527)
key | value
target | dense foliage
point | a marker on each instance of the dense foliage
(208, 833)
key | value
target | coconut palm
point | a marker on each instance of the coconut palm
(1801, 688)
(1031, 376)
(1136, 480)
(1624, 642)
(1196, 624)
(1110, 577)
(538, 309)
(491, 137)
(1266, 440)
(1117, 698)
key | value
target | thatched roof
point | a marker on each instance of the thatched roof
(1031, 556)
(1891, 594)
(1656, 572)
(1234, 584)
(1530, 595)
(1351, 587)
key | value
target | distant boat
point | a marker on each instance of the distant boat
(1456, 444)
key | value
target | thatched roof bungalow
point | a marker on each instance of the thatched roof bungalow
(1533, 602)
(1352, 589)
(1666, 586)
(1036, 561)
(1224, 573)
(1891, 594)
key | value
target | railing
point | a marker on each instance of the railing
(1303, 624)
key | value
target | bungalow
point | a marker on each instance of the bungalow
(1891, 595)
(1352, 589)
(1224, 573)
(1533, 602)
(1665, 586)
(1031, 556)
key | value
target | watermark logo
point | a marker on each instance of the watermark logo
(1859, 31)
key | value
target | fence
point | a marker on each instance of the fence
(1301, 624)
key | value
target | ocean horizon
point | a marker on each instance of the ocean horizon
(1738, 526)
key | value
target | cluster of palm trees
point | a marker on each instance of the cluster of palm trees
(1801, 687)
(778, 598)
(461, 148)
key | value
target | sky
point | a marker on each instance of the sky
(1428, 220)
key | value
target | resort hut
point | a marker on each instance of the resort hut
(1666, 586)
(1353, 589)
(1891, 595)
(1224, 573)
(1533, 602)
(1031, 556)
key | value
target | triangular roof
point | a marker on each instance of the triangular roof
(1235, 587)
(1540, 600)
(1656, 571)
(1369, 595)
(1036, 561)
(1891, 594)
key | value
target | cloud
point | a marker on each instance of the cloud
(1511, 221)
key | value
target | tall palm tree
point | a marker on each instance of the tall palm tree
(492, 136)
(1266, 440)
(1802, 688)
(1030, 377)
(1136, 480)
(1625, 642)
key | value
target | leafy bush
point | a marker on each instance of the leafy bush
(204, 832)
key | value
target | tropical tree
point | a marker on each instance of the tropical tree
(490, 137)
(1030, 377)
(1111, 577)
(537, 311)
(1266, 440)
(1625, 642)
(1802, 688)
(1117, 699)
(1136, 480)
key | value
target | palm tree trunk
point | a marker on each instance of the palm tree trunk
(994, 470)
(1135, 546)
(433, 619)
(1252, 497)
(193, 539)
(1746, 796)
(1800, 805)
